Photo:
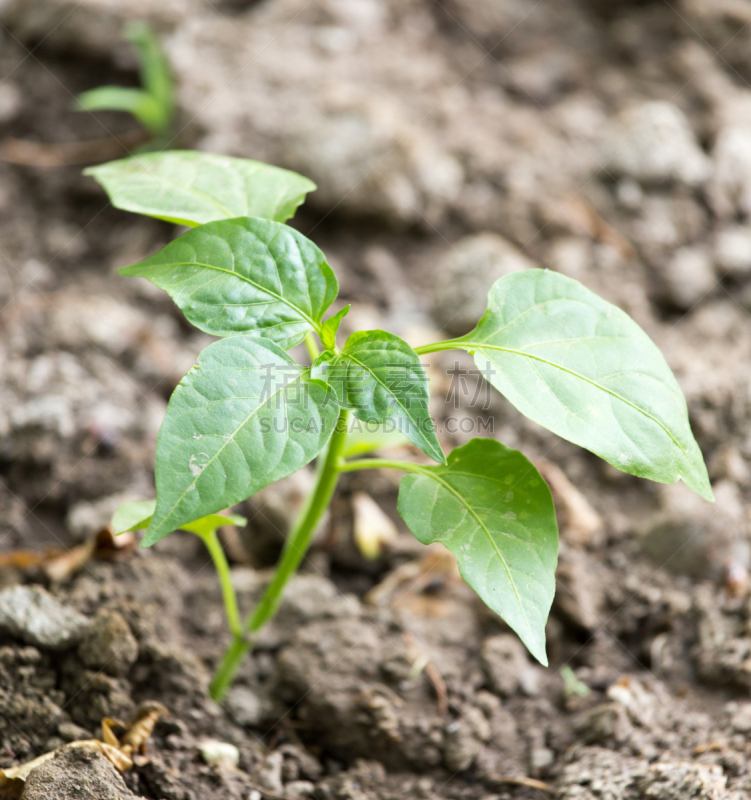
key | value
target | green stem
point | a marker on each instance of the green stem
(448, 344)
(381, 463)
(297, 545)
(214, 546)
(313, 350)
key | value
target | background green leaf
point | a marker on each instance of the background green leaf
(136, 516)
(495, 513)
(381, 378)
(585, 370)
(246, 274)
(245, 416)
(133, 516)
(192, 188)
(361, 441)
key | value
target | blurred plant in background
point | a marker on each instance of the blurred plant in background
(152, 105)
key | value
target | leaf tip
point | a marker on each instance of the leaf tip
(538, 650)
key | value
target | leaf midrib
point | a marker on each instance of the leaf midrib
(200, 195)
(387, 389)
(485, 346)
(227, 442)
(258, 286)
(430, 472)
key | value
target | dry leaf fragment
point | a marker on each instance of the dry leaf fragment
(59, 565)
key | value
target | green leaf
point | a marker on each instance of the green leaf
(245, 416)
(208, 524)
(116, 98)
(134, 516)
(241, 275)
(493, 510)
(192, 188)
(155, 75)
(584, 369)
(380, 436)
(331, 326)
(137, 516)
(380, 377)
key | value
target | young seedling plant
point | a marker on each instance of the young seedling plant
(152, 105)
(247, 414)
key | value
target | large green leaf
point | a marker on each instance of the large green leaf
(380, 377)
(246, 274)
(245, 416)
(492, 509)
(192, 188)
(584, 369)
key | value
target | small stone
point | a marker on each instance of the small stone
(221, 754)
(541, 758)
(70, 732)
(654, 144)
(729, 189)
(464, 276)
(270, 773)
(688, 277)
(34, 615)
(109, 644)
(10, 102)
(732, 251)
(740, 721)
(246, 707)
(296, 790)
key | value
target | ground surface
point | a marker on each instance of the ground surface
(452, 141)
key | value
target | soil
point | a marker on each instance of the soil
(452, 141)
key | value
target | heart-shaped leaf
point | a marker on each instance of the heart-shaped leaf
(192, 188)
(495, 513)
(242, 275)
(585, 370)
(245, 416)
(380, 377)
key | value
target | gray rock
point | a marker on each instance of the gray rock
(246, 706)
(368, 157)
(654, 144)
(466, 273)
(688, 277)
(34, 615)
(729, 189)
(109, 644)
(732, 251)
(75, 773)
